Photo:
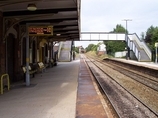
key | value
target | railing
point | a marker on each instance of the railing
(3, 77)
(142, 45)
(100, 36)
(133, 46)
(59, 50)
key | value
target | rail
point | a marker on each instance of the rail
(59, 50)
(2, 77)
(142, 45)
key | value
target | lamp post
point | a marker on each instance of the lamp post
(126, 39)
(156, 46)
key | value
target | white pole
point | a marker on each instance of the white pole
(126, 39)
(156, 54)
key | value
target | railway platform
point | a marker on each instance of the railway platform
(51, 94)
(143, 64)
(64, 91)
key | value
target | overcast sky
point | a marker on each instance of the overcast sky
(104, 15)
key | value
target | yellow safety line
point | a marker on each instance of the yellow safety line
(2, 77)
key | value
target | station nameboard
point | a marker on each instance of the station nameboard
(40, 30)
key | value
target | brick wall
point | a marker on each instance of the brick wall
(101, 53)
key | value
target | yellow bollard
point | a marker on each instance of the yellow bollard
(2, 77)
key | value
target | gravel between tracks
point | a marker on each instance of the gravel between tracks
(145, 94)
(126, 105)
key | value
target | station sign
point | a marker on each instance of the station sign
(40, 30)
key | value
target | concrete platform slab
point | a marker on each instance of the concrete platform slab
(52, 94)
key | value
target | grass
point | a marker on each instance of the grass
(93, 53)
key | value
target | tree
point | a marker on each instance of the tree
(149, 34)
(154, 37)
(119, 29)
(91, 47)
(114, 46)
(151, 37)
(76, 49)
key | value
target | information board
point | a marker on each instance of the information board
(40, 30)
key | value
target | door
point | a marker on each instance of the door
(10, 56)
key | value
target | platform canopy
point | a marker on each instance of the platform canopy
(63, 15)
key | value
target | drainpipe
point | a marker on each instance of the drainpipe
(6, 56)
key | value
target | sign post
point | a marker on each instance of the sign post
(156, 45)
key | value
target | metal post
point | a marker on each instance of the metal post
(156, 54)
(127, 42)
(27, 61)
(126, 38)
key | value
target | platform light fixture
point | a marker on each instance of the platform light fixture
(58, 34)
(31, 7)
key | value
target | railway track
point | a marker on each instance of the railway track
(147, 80)
(125, 102)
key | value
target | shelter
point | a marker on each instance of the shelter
(30, 29)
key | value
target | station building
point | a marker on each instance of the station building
(30, 30)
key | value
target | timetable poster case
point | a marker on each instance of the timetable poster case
(40, 30)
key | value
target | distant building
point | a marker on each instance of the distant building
(101, 49)
(81, 49)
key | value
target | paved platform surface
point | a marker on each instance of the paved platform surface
(145, 64)
(88, 101)
(52, 95)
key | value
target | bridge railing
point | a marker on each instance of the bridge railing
(59, 49)
(95, 36)
(101, 36)
(142, 45)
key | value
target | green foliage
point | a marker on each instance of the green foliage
(76, 49)
(115, 46)
(119, 29)
(94, 48)
(149, 34)
(91, 47)
(151, 37)
(154, 37)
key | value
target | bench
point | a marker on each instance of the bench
(42, 67)
(53, 62)
(31, 71)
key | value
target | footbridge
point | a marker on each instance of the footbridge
(134, 44)
(101, 36)
(137, 49)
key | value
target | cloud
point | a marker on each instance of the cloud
(104, 15)
(99, 14)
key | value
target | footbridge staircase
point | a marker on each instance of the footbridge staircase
(64, 50)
